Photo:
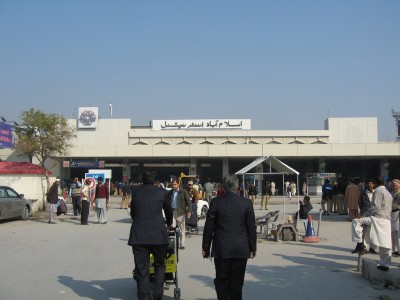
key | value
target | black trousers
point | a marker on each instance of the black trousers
(141, 255)
(76, 205)
(85, 212)
(229, 278)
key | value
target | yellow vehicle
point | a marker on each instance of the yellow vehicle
(184, 179)
(202, 205)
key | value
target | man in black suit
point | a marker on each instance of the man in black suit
(149, 235)
(230, 226)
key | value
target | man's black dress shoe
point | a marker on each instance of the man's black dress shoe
(359, 248)
(382, 268)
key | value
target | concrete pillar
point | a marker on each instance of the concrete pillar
(321, 165)
(384, 168)
(126, 170)
(259, 178)
(225, 167)
(193, 166)
(396, 115)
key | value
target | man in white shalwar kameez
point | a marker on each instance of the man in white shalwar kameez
(378, 217)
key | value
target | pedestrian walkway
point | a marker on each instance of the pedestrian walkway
(67, 261)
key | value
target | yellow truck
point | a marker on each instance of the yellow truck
(184, 179)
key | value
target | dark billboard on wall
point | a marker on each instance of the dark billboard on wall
(6, 136)
(96, 164)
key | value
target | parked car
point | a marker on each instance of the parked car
(13, 205)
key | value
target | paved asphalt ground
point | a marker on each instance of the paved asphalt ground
(70, 261)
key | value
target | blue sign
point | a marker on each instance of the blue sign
(95, 175)
(6, 135)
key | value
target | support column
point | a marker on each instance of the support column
(193, 167)
(259, 178)
(126, 171)
(384, 168)
(225, 167)
(321, 165)
(396, 115)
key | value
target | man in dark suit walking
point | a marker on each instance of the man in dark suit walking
(230, 226)
(149, 235)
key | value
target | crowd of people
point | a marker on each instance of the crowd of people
(375, 222)
(373, 208)
(229, 232)
(81, 195)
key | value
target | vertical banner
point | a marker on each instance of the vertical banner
(6, 135)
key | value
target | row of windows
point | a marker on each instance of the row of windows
(227, 142)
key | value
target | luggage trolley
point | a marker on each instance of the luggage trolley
(171, 262)
(191, 223)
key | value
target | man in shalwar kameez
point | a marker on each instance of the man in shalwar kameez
(351, 197)
(101, 201)
(378, 218)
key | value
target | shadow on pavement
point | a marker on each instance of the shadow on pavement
(124, 288)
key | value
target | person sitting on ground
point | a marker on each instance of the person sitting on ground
(61, 206)
(305, 208)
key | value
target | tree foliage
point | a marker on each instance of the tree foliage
(43, 135)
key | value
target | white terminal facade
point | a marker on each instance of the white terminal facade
(211, 148)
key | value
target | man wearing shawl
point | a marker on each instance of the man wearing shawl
(378, 217)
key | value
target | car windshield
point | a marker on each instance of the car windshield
(12, 194)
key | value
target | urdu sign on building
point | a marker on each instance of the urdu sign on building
(208, 124)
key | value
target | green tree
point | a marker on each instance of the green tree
(43, 136)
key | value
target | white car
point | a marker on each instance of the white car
(202, 209)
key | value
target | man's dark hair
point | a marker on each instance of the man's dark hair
(230, 183)
(148, 177)
(379, 180)
(370, 180)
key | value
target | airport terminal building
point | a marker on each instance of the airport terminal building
(211, 148)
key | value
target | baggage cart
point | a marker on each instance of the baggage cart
(191, 223)
(171, 264)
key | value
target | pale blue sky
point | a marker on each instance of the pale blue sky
(282, 64)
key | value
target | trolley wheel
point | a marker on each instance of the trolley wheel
(177, 294)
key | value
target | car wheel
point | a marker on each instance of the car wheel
(25, 213)
(204, 211)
